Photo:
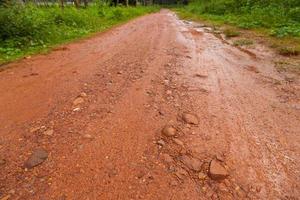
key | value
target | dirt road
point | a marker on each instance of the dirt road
(90, 115)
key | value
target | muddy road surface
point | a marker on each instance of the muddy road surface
(157, 108)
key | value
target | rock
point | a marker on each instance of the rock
(82, 94)
(78, 100)
(5, 197)
(49, 132)
(191, 163)
(169, 131)
(169, 92)
(76, 109)
(87, 136)
(36, 158)
(2, 162)
(161, 143)
(217, 171)
(167, 158)
(179, 142)
(200, 75)
(34, 129)
(190, 119)
(201, 176)
(181, 173)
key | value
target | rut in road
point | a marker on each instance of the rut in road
(95, 111)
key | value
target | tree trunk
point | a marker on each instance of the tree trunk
(76, 3)
(61, 2)
(85, 2)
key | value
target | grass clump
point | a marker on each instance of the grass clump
(229, 33)
(27, 29)
(289, 51)
(242, 42)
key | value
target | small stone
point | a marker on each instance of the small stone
(201, 75)
(191, 163)
(169, 131)
(36, 158)
(201, 176)
(190, 119)
(76, 109)
(49, 132)
(2, 162)
(181, 173)
(169, 92)
(167, 158)
(119, 72)
(161, 143)
(179, 142)
(87, 136)
(78, 100)
(34, 129)
(5, 197)
(217, 171)
(82, 94)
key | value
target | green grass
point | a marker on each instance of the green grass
(28, 30)
(281, 34)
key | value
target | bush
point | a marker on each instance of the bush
(29, 28)
(281, 17)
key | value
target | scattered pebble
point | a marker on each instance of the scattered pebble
(88, 136)
(179, 142)
(49, 132)
(169, 131)
(200, 75)
(6, 197)
(169, 92)
(78, 101)
(34, 129)
(190, 118)
(191, 163)
(76, 109)
(83, 94)
(36, 158)
(2, 162)
(181, 173)
(161, 143)
(217, 171)
(167, 158)
(201, 176)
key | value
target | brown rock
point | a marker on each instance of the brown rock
(161, 143)
(217, 171)
(190, 119)
(191, 163)
(48, 132)
(201, 176)
(2, 161)
(181, 173)
(179, 142)
(169, 131)
(78, 100)
(36, 158)
(167, 158)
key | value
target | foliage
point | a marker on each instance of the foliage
(281, 18)
(27, 28)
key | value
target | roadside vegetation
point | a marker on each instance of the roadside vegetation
(278, 19)
(29, 28)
